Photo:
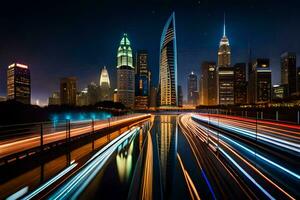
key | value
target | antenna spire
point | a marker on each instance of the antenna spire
(224, 31)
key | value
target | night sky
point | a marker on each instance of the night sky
(78, 38)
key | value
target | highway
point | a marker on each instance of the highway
(268, 161)
(187, 156)
(13, 145)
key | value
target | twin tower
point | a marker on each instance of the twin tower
(167, 88)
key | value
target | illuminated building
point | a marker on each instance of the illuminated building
(224, 54)
(68, 91)
(225, 72)
(125, 73)
(240, 84)
(115, 95)
(142, 81)
(93, 93)
(82, 98)
(105, 90)
(226, 85)
(192, 89)
(2, 98)
(209, 84)
(180, 96)
(260, 82)
(18, 83)
(54, 99)
(298, 81)
(279, 91)
(288, 71)
(168, 93)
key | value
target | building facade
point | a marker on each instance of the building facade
(104, 83)
(125, 73)
(68, 91)
(18, 83)
(225, 72)
(209, 84)
(168, 89)
(142, 80)
(54, 99)
(240, 83)
(260, 82)
(192, 85)
(288, 72)
(93, 93)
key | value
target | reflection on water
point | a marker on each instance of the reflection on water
(124, 162)
(167, 148)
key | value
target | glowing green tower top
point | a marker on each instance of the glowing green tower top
(124, 57)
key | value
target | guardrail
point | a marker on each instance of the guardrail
(19, 138)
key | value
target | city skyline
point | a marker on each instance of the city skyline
(243, 32)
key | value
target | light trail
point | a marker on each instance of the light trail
(288, 145)
(220, 141)
(246, 174)
(192, 189)
(50, 182)
(75, 186)
(12, 146)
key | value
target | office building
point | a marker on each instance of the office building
(125, 73)
(93, 93)
(240, 84)
(104, 83)
(82, 98)
(54, 99)
(288, 72)
(168, 93)
(225, 72)
(68, 91)
(260, 82)
(209, 84)
(142, 81)
(18, 83)
(192, 85)
(279, 92)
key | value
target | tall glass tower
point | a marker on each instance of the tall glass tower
(168, 65)
(125, 73)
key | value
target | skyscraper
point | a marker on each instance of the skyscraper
(18, 83)
(104, 82)
(93, 93)
(192, 85)
(142, 81)
(240, 84)
(225, 72)
(68, 91)
(125, 73)
(260, 82)
(288, 72)
(168, 93)
(224, 52)
(209, 84)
